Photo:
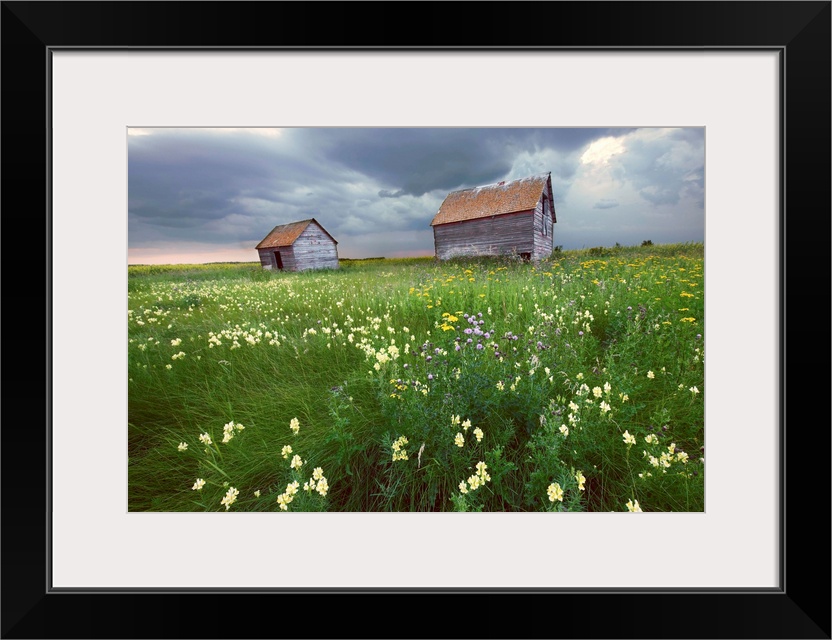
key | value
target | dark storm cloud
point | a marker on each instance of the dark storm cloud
(416, 161)
(186, 179)
(384, 193)
(667, 168)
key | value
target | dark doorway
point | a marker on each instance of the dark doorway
(278, 262)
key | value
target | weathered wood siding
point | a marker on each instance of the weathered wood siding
(313, 249)
(266, 258)
(511, 233)
(287, 258)
(543, 244)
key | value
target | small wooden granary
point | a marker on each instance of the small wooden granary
(506, 218)
(298, 246)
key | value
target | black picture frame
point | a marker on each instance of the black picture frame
(799, 31)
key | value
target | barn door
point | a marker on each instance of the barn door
(277, 260)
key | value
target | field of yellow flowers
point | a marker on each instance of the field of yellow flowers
(573, 384)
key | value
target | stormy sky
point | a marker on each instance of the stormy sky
(206, 195)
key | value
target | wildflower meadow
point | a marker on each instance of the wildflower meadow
(489, 384)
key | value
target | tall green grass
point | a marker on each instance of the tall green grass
(573, 384)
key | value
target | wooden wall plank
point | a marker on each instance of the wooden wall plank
(497, 235)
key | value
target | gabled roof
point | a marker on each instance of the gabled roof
(284, 235)
(493, 199)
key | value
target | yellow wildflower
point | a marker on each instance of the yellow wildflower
(555, 492)
(633, 506)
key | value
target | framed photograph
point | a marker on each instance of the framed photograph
(754, 77)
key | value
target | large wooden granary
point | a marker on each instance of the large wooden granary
(298, 246)
(506, 218)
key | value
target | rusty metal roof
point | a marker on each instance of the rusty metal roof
(284, 235)
(492, 199)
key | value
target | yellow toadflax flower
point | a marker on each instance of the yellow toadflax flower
(633, 506)
(555, 492)
(198, 484)
(230, 497)
(296, 463)
(629, 438)
(183, 446)
(294, 425)
(459, 440)
(482, 473)
(581, 480)
(398, 452)
(479, 434)
(286, 450)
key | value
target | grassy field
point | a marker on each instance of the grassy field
(575, 384)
